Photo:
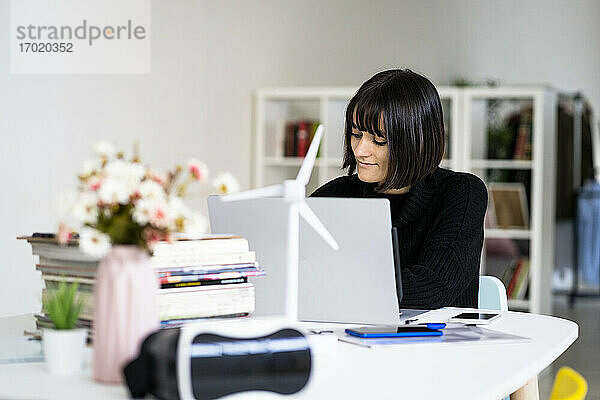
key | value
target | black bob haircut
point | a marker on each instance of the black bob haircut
(404, 108)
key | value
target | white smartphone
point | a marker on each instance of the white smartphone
(474, 318)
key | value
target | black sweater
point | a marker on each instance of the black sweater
(440, 232)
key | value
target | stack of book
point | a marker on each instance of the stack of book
(290, 138)
(204, 277)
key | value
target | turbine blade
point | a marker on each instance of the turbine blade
(312, 219)
(311, 155)
(267, 191)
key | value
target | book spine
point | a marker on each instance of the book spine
(214, 246)
(302, 139)
(279, 138)
(73, 274)
(313, 130)
(203, 304)
(513, 280)
(166, 262)
(51, 262)
(203, 282)
(289, 139)
(521, 285)
(199, 277)
(209, 269)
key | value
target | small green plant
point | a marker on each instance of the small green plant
(63, 306)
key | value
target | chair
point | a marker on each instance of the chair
(569, 385)
(492, 294)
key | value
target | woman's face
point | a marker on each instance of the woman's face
(371, 154)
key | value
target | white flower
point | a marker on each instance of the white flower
(178, 207)
(141, 211)
(151, 189)
(85, 210)
(66, 202)
(153, 211)
(161, 216)
(105, 149)
(89, 167)
(226, 183)
(113, 191)
(128, 173)
(198, 169)
(196, 224)
(94, 242)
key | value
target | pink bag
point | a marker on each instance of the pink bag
(124, 310)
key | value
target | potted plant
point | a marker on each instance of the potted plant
(63, 346)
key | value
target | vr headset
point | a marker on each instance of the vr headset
(197, 362)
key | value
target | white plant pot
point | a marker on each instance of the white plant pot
(63, 350)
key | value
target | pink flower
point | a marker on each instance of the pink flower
(159, 217)
(152, 236)
(94, 183)
(198, 170)
(157, 176)
(64, 233)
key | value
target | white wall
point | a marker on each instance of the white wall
(247, 45)
(49, 122)
(209, 56)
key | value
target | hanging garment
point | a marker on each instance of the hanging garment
(588, 230)
(565, 195)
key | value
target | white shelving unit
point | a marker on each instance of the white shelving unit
(465, 121)
(541, 167)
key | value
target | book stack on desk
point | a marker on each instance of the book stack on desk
(204, 277)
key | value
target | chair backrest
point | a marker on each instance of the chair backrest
(569, 385)
(492, 294)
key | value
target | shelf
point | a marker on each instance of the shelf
(315, 93)
(502, 164)
(494, 233)
(518, 304)
(468, 144)
(297, 161)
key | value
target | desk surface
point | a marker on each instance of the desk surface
(428, 370)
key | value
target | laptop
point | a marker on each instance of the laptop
(356, 284)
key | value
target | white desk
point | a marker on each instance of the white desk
(341, 370)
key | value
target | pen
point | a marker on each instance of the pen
(433, 325)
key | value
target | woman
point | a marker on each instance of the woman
(394, 140)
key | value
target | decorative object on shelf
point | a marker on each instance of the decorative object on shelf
(63, 346)
(123, 203)
(508, 206)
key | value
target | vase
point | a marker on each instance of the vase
(63, 350)
(124, 310)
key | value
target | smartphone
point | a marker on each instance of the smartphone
(474, 318)
(392, 331)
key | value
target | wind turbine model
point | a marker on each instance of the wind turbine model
(294, 191)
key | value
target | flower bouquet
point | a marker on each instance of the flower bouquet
(123, 202)
(125, 207)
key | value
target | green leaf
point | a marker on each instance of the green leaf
(63, 305)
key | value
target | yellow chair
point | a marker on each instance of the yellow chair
(569, 385)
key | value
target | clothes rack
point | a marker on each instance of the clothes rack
(578, 102)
